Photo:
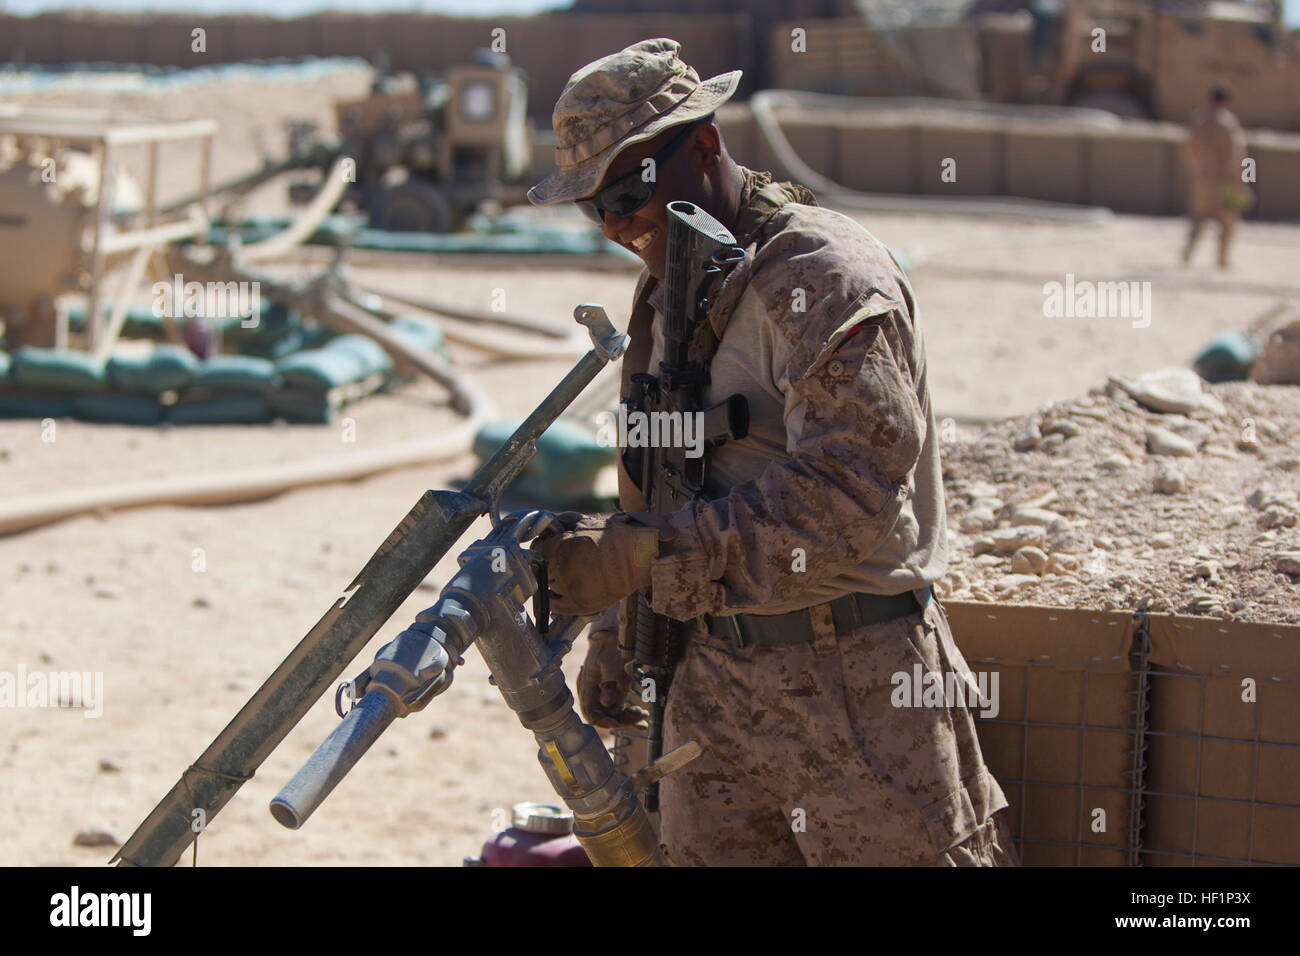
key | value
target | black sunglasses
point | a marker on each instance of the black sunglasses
(629, 193)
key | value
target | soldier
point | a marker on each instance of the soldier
(1216, 147)
(806, 578)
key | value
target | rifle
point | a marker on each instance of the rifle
(700, 250)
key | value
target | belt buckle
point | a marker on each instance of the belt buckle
(731, 628)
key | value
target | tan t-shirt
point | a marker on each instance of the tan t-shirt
(837, 487)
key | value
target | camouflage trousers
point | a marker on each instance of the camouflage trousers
(807, 760)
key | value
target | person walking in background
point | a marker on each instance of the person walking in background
(1216, 147)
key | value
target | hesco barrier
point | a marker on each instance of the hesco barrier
(1133, 166)
(1127, 739)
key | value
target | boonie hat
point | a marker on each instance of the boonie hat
(625, 98)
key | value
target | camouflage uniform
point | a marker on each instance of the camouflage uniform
(836, 489)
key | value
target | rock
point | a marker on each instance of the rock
(1105, 542)
(1061, 563)
(1167, 390)
(1048, 519)
(1218, 451)
(1277, 516)
(1011, 582)
(1161, 441)
(1052, 444)
(1206, 568)
(95, 838)
(1236, 604)
(1115, 462)
(981, 546)
(201, 601)
(1029, 438)
(1287, 464)
(1189, 428)
(1070, 541)
(437, 733)
(1206, 604)
(1249, 445)
(957, 581)
(978, 520)
(1164, 539)
(1288, 562)
(1170, 481)
(108, 591)
(1010, 540)
(1029, 560)
(989, 560)
(1064, 427)
(107, 766)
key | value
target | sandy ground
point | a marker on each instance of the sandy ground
(181, 649)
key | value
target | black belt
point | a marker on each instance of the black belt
(848, 613)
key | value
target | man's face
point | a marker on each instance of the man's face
(682, 176)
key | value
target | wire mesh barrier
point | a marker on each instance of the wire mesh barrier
(1136, 740)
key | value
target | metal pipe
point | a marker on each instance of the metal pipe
(336, 755)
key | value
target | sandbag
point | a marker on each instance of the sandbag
(248, 408)
(371, 354)
(166, 367)
(118, 409)
(1227, 358)
(239, 373)
(140, 322)
(34, 406)
(423, 334)
(568, 454)
(303, 406)
(322, 369)
(63, 370)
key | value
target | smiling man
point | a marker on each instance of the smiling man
(805, 577)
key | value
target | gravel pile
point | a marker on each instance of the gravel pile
(1158, 494)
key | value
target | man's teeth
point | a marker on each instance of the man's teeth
(640, 242)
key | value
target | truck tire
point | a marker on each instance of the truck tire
(412, 206)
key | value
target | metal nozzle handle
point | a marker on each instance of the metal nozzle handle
(333, 759)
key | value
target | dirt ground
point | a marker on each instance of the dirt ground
(181, 649)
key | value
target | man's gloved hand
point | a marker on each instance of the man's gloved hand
(603, 685)
(599, 559)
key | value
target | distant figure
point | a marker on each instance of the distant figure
(1216, 146)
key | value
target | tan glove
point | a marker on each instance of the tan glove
(600, 559)
(603, 684)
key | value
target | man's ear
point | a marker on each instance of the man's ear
(706, 144)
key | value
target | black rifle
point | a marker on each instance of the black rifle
(669, 409)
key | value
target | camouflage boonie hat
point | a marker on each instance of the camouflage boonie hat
(622, 99)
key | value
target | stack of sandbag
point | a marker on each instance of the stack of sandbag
(228, 390)
(318, 382)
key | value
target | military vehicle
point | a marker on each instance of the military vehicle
(1146, 58)
(428, 150)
